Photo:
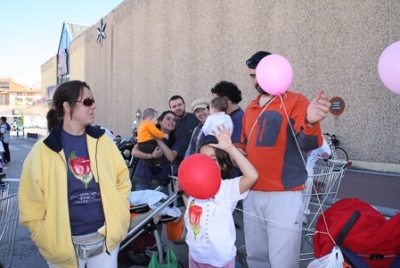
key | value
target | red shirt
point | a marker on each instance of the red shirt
(278, 154)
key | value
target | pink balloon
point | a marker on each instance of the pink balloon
(389, 67)
(274, 74)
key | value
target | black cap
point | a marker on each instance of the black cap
(256, 58)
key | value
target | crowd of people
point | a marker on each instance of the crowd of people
(75, 184)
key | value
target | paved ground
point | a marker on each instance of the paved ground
(381, 190)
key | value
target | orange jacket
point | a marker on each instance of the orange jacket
(272, 147)
(148, 131)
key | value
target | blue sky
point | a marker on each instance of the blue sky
(30, 32)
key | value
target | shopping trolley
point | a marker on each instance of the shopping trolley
(146, 220)
(320, 193)
(8, 224)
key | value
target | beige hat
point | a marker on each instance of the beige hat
(200, 103)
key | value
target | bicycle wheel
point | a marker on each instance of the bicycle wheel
(340, 154)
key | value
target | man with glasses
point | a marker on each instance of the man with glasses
(185, 124)
(277, 149)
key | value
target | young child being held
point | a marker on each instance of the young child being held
(147, 133)
(210, 227)
(217, 117)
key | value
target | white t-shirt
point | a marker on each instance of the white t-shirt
(215, 120)
(212, 238)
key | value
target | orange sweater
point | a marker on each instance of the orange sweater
(271, 146)
(148, 131)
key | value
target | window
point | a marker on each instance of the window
(4, 86)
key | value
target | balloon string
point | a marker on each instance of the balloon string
(305, 165)
(304, 162)
(266, 220)
(327, 233)
(259, 115)
(261, 218)
(302, 157)
(292, 130)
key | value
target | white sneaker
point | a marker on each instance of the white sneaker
(4, 167)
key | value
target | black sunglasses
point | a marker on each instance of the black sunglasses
(86, 102)
(255, 59)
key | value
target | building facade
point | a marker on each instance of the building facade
(15, 98)
(153, 49)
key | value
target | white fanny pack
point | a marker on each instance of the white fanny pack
(88, 245)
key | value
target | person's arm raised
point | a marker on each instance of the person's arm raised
(250, 174)
(317, 109)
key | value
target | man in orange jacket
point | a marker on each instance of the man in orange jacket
(278, 151)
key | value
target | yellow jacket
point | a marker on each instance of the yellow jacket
(43, 200)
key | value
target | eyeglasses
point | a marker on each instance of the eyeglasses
(86, 102)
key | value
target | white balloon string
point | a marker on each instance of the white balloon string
(261, 218)
(304, 163)
(327, 233)
(336, 177)
(258, 117)
(292, 130)
(266, 220)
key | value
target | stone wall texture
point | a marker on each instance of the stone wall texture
(158, 48)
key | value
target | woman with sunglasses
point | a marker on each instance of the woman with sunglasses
(74, 187)
(150, 177)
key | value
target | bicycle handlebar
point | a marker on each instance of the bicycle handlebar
(333, 136)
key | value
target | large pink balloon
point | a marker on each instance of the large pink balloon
(389, 67)
(274, 74)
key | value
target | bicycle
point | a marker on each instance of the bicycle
(338, 153)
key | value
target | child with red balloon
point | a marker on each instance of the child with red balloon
(211, 200)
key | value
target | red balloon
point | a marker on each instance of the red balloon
(199, 176)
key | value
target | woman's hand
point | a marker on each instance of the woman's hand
(168, 153)
(224, 138)
(157, 152)
(139, 154)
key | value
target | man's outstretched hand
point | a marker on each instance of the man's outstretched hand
(318, 108)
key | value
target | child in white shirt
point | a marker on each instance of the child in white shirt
(210, 227)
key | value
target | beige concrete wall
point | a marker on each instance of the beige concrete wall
(77, 59)
(158, 48)
(48, 74)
